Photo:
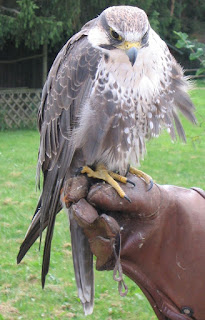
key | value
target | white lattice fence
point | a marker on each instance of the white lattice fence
(18, 108)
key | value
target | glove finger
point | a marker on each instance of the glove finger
(104, 197)
(84, 213)
(74, 189)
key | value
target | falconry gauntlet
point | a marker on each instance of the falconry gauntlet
(162, 247)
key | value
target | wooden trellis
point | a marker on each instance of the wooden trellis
(18, 108)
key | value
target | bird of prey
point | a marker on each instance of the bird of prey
(113, 86)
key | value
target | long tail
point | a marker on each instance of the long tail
(83, 265)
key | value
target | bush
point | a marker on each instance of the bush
(197, 50)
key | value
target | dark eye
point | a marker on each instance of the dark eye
(115, 35)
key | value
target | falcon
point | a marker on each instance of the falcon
(113, 86)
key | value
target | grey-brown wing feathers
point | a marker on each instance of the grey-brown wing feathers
(181, 99)
(172, 98)
(62, 98)
(32, 234)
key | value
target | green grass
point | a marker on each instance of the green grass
(21, 296)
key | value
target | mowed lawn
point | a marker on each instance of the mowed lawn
(21, 296)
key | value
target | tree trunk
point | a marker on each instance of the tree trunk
(172, 8)
(45, 63)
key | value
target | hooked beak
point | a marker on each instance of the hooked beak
(131, 50)
(132, 55)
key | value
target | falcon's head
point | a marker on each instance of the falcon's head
(121, 27)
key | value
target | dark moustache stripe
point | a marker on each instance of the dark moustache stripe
(107, 46)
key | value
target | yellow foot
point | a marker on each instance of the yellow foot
(142, 175)
(102, 173)
(110, 177)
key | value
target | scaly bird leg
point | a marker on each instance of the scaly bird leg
(102, 173)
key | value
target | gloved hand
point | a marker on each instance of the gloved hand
(158, 239)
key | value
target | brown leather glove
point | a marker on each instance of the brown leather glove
(159, 237)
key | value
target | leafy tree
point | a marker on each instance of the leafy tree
(36, 23)
(197, 50)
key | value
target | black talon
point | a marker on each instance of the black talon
(150, 185)
(129, 181)
(78, 171)
(128, 199)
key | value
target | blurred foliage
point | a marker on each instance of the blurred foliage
(37, 22)
(197, 50)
